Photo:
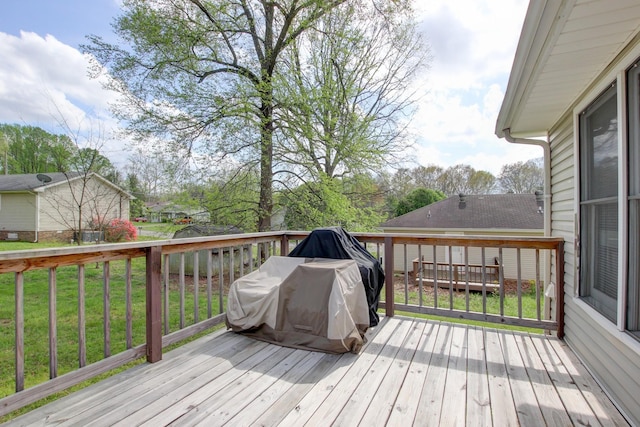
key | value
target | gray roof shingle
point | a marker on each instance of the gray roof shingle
(489, 211)
(29, 181)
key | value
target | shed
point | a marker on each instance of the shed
(198, 230)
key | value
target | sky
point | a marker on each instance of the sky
(44, 81)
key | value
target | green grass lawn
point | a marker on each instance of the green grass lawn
(160, 227)
(19, 246)
(510, 302)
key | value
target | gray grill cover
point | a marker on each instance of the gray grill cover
(315, 304)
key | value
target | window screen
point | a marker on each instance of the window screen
(599, 204)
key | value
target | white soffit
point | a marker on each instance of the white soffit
(563, 48)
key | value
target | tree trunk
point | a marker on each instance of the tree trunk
(265, 204)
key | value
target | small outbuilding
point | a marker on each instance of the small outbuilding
(199, 230)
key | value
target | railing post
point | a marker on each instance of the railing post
(560, 288)
(388, 276)
(154, 304)
(284, 245)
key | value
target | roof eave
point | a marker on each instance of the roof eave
(533, 46)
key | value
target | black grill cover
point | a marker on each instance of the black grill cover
(336, 243)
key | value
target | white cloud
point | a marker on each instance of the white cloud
(471, 41)
(44, 74)
(44, 82)
(472, 44)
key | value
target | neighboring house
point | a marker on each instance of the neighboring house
(575, 82)
(37, 207)
(505, 215)
(278, 221)
(167, 212)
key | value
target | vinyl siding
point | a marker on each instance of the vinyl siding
(59, 210)
(613, 361)
(611, 356)
(18, 211)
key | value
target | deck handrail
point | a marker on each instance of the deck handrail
(157, 255)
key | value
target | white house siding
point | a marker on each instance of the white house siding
(509, 256)
(59, 211)
(18, 212)
(612, 356)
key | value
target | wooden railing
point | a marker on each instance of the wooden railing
(116, 303)
(513, 300)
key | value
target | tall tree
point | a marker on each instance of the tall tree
(455, 179)
(231, 198)
(400, 183)
(324, 203)
(521, 177)
(4, 153)
(91, 204)
(90, 159)
(157, 171)
(427, 176)
(137, 207)
(203, 71)
(482, 182)
(345, 91)
(34, 150)
(418, 198)
(465, 179)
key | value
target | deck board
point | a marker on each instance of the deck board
(217, 387)
(406, 403)
(453, 413)
(599, 402)
(430, 404)
(351, 365)
(360, 399)
(478, 400)
(380, 405)
(547, 396)
(573, 400)
(410, 372)
(347, 393)
(524, 397)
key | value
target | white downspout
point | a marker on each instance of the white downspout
(547, 202)
(547, 173)
(37, 227)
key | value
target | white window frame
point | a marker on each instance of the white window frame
(633, 312)
(615, 72)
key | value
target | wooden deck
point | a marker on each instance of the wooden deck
(411, 372)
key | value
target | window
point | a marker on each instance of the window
(600, 201)
(598, 125)
(633, 200)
